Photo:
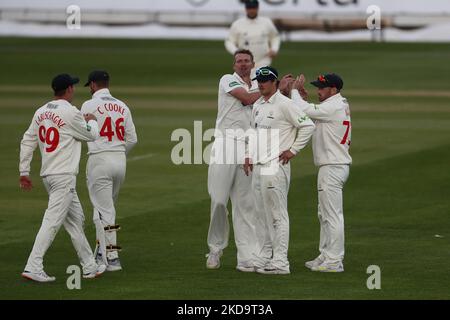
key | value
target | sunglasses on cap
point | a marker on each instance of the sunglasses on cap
(265, 72)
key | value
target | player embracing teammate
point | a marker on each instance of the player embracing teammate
(296, 120)
(58, 128)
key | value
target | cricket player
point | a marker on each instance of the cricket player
(57, 128)
(226, 177)
(331, 143)
(275, 118)
(107, 162)
(254, 33)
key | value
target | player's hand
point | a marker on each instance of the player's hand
(299, 84)
(25, 183)
(272, 54)
(285, 156)
(285, 85)
(248, 166)
(89, 116)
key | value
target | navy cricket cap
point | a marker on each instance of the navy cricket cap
(63, 81)
(97, 75)
(331, 80)
(266, 74)
(251, 4)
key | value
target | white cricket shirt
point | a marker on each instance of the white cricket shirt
(332, 138)
(117, 130)
(57, 127)
(258, 35)
(281, 114)
(232, 114)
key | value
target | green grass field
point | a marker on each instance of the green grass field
(396, 200)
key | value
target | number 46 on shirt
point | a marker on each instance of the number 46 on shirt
(107, 129)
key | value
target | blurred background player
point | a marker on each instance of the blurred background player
(57, 128)
(226, 177)
(254, 33)
(107, 162)
(331, 144)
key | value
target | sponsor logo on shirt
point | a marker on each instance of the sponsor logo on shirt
(302, 119)
(234, 84)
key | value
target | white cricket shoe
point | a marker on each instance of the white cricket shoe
(38, 277)
(329, 267)
(271, 269)
(101, 268)
(213, 261)
(114, 265)
(316, 262)
(246, 267)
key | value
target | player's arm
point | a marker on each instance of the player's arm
(274, 39)
(232, 41)
(27, 146)
(84, 128)
(87, 107)
(305, 126)
(130, 134)
(312, 110)
(247, 98)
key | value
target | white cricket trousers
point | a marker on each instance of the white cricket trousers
(227, 181)
(105, 175)
(64, 208)
(272, 226)
(330, 183)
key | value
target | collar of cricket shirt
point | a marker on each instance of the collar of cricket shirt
(62, 101)
(242, 81)
(272, 98)
(101, 92)
(336, 96)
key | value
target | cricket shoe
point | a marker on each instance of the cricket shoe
(271, 269)
(246, 267)
(114, 265)
(213, 261)
(101, 268)
(38, 277)
(316, 262)
(329, 267)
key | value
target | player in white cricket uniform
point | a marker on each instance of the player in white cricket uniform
(254, 33)
(331, 143)
(106, 165)
(281, 131)
(226, 178)
(57, 128)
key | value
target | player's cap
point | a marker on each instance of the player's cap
(251, 4)
(266, 74)
(331, 80)
(63, 81)
(97, 75)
